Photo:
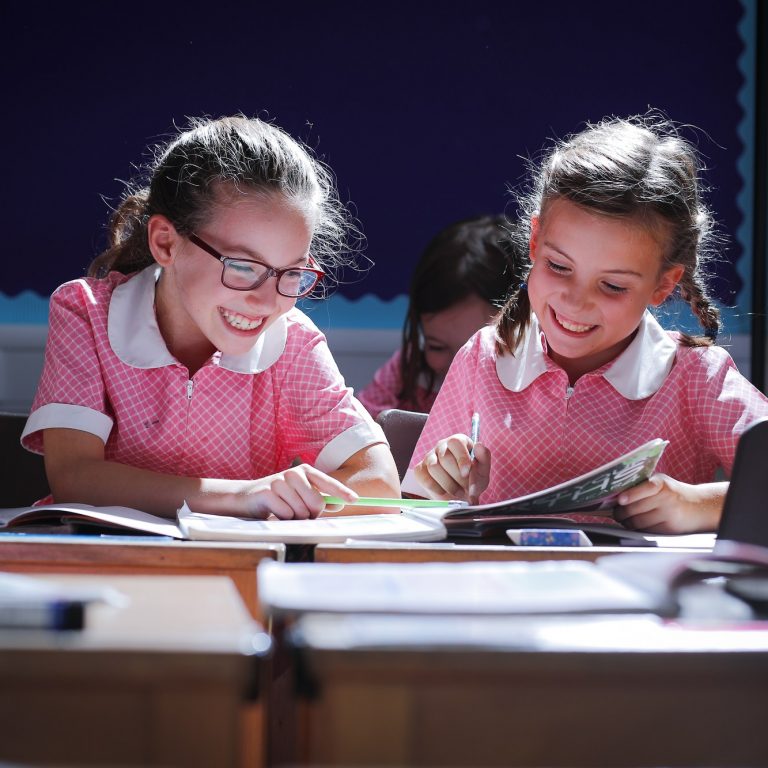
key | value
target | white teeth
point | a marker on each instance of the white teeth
(575, 327)
(240, 322)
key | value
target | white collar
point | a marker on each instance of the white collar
(637, 373)
(136, 339)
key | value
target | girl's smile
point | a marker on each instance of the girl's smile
(592, 278)
(196, 313)
(241, 323)
(569, 325)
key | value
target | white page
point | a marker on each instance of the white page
(447, 588)
(328, 529)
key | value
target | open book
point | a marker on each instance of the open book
(584, 502)
(82, 518)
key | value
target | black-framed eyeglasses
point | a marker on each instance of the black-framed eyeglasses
(247, 274)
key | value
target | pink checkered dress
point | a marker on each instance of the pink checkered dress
(108, 372)
(382, 392)
(542, 432)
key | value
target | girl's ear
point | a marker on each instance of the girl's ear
(534, 238)
(163, 238)
(666, 284)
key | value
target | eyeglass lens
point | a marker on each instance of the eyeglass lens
(246, 275)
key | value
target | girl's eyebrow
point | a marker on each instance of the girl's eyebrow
(256, 256)
(606, 271)
(623, 272)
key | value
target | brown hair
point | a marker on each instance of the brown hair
(232, 155)
(638, 168)
(471, 256)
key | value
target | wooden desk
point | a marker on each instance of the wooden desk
(507, 691)
(409, 552)
(112, 555)
(160, 679)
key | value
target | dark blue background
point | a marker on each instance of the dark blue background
(425, 112)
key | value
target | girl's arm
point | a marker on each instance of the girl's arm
(78, 472)
(370, 472)
(665, 505)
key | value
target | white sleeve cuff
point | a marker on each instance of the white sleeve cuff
(63, 416)
(349, 442)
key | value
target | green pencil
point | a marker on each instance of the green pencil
(368, 501)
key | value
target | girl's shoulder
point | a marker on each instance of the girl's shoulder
(95, 289)
(87, 295)
(298, 321)
(483, 344)
(706, 358)
(300, 330)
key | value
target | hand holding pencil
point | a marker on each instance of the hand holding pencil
(458, 467)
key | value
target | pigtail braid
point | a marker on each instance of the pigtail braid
(693, 291)
(514, 319)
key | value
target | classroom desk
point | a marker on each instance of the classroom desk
(112, 555)
(515, 691)
(409, 552)
(159, 679)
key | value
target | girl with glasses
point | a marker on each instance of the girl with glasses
(577, 371)
(180, 368)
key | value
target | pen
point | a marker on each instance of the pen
(474, 433)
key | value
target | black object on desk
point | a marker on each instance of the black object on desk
(744, 512)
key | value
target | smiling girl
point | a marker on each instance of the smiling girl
(577, 371)
(181, 369)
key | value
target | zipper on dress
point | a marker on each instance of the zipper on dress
(568, 392)
(190, 387)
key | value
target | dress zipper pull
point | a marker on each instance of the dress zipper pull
(190, 387)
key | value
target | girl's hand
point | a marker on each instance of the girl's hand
(294, 493)
(448, 471)
(665, 505)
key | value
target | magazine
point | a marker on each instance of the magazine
(585, 501)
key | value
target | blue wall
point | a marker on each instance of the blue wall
(425, 112)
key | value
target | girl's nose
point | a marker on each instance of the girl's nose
(576, 296)
(265, 297)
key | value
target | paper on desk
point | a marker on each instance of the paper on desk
(334, 529)
(545, 587)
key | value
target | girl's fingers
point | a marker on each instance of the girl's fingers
(454, 457)
(645, 490)
(327, 484)
(305, 498)
(296, 493)
(650, 521)
(269, 503)
(288, 490)
(459, 447)
(433, 479)
(480, 473)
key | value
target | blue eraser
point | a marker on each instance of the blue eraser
(549, 537)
